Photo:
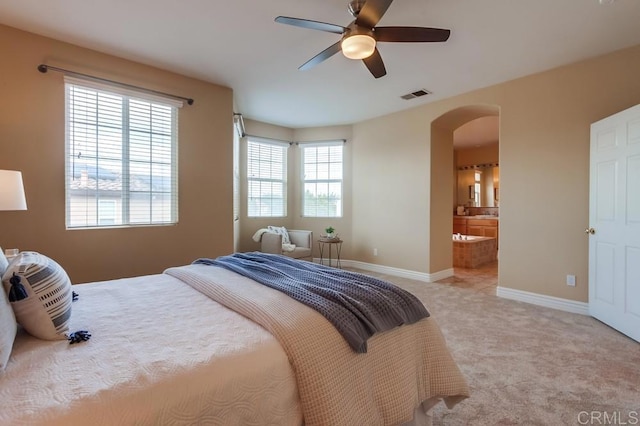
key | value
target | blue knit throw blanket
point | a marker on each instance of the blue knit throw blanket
(357, 305)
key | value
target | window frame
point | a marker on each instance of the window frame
(305, 145)
(270, 144)
(127, 97)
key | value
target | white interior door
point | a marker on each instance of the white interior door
(614, 219)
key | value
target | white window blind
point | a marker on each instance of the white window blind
(322, 179)
(121, 157)
(266, 178)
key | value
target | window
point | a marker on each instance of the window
(477, 188)
(121, 157)
(266, 178)
(322, 179)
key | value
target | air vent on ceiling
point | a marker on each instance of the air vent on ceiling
(415, 94)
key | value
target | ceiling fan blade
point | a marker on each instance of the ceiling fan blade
(411, 34)
(372, 12)
(312, 25)
(325, 54)
(375, 64)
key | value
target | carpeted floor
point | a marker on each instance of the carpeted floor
(529, 365)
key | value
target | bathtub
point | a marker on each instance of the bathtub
(471, 251)
(463, 238)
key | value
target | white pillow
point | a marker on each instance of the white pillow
(45, 312)
(8, 325)
(4, 263)
(282, 231)
(8, 329)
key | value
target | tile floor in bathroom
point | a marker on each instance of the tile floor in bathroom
(483, 278)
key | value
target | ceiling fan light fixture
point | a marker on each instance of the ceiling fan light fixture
(358, 46)
(359, 39)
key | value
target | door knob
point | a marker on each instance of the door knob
(590, 231)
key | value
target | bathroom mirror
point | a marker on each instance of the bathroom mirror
(478, 186)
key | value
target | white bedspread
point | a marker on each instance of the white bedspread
(160, 353)
(403, 368)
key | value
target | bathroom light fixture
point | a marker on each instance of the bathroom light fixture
(358, 46)
(12, 191)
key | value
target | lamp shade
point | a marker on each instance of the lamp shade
(358, 46)
(12, 191)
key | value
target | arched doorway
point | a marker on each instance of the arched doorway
(443, 182)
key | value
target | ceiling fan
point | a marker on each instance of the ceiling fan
(360, 37)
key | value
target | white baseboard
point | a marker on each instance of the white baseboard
(441, 275)
(396, 272)
(543, 300)
(504, 292)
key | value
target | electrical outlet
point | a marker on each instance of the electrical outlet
(571, 280)
(375, 251)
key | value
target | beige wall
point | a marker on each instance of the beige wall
(544, 167)
(391, 187)
(479, 155)
(398, 176)
(32, 140)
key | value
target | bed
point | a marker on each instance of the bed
(200, 344)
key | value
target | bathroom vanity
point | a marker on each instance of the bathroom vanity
(482, 227)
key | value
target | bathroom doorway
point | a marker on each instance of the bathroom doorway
(476, 148)
(471, 135)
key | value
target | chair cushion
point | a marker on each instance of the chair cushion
(298, 253)
(301, 238)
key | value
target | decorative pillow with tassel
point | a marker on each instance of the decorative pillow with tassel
(40, 294)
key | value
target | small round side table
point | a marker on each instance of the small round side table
(333, 242)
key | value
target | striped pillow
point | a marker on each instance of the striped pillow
(40, 294)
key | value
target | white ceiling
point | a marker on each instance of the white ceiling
(237, 44)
